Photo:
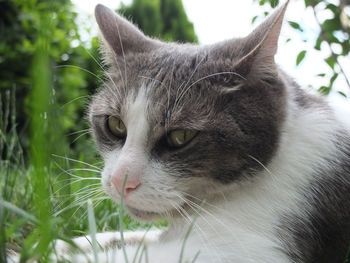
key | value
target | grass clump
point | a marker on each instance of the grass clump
(43, 194)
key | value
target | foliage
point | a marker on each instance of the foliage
(333, 35)
(44, 69)
(165, 19)
(20, 27)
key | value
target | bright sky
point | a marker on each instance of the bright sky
(223, 19)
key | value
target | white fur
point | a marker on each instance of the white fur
(341, 108)
(155, 190)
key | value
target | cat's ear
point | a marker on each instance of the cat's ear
(121, 35)
(262, 44)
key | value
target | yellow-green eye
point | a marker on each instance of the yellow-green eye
(116, 127)
(179, 138)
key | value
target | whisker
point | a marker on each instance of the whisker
(263, 166)
(99, 201)
(167, 113)
(106, 73)
(153, 79)
(201, 232)
(77, 67)
(94, 59)
(77, 161)
(71, 183)
(78, 98)
(224, 225)
(73, 175)
(81, 135)
(122, 48)
(84, 169)
(78, 202)
(77, 132)
(184, 90)
(209, 76)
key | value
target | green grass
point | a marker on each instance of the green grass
(45, 197)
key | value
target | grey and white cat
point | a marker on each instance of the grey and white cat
(220, 123)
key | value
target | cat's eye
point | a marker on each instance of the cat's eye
(179, 138)
(116, 127)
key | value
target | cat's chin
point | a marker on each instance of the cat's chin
(142, 215)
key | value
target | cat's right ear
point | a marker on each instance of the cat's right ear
(120, 35)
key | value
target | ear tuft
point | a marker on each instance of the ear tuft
(121, 35)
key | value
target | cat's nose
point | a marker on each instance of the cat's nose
(131, 183)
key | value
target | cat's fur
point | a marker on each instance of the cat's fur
(271, 161)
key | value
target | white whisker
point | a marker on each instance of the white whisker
(83, 69)
(77, 161)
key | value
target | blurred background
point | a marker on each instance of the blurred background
(50, 66)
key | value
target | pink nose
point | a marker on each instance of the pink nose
(130, 185)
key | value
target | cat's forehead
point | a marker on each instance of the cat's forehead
(176, 82)
(178, 62)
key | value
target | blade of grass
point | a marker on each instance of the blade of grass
(18, 211)
(189, 230)
(142, 252)
(140, 244)
(92, 227)
(42, 135)
(121, 222)
(2, 226)
(146, 254)
(195, 257)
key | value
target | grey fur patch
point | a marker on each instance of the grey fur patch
(325, 236)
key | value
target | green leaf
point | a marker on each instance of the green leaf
(321, 75)
(330, 62)
(262, 2)
(318, 43)
(307, 2)
(334, 8)
(254, 19)
(274, 3)
(342, 93)
(300, 57)
(324, 90)
(296, 26)
(330, 25)
(333, 78)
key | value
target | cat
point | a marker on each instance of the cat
(219, 138)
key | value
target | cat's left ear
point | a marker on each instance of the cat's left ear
(262, 45)
(120, 35)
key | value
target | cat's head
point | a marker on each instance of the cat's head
(184, 122)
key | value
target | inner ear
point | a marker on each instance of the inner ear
(263, 42)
